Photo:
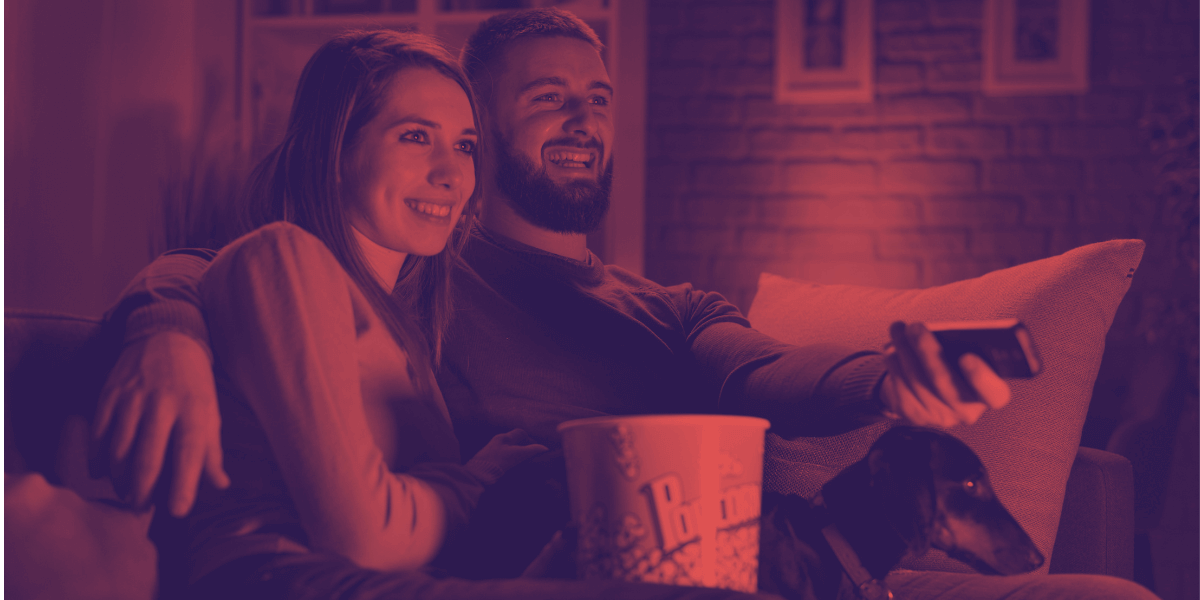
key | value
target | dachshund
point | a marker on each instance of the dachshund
(915, 489)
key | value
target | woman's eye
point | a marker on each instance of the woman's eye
(467, 146)
(415, 135)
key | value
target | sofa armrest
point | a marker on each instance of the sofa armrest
(54, 368)
(1095, 532)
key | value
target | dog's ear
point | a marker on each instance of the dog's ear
(905, 490)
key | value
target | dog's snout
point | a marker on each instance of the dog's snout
(1018, 558)
(1035, 558)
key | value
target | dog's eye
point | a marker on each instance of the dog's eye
(971, 486)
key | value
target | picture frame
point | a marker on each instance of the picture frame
(1035, 47)
(824, 51)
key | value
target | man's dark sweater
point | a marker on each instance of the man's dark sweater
(538, 339)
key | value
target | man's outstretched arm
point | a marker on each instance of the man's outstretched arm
(825, 389)
(161, 392)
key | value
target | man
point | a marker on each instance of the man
(544, 333)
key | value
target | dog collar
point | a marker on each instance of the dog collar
(868, 587)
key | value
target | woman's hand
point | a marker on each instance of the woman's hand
(920, 388)
(502, 453)
(161, 391)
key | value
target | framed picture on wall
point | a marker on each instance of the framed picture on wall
(824, 51)
(1033, 47)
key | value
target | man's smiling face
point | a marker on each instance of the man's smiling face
(551, 125)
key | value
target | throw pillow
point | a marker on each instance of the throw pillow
(1066, 301)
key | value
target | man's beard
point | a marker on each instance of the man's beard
(574, 207)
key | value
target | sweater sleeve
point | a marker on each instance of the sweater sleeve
(165, 296)
(819, 389)
(458, 488)
(284, 324)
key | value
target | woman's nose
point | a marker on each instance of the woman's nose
(444, 170)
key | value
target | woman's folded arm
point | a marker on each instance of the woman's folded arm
(283, 323)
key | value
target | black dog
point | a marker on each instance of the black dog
(915, 489)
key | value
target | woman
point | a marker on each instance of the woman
(327, 320)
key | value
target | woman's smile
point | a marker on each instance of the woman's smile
(434, 211)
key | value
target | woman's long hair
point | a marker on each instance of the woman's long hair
(341, 89)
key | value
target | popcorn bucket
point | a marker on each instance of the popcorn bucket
(672, 499)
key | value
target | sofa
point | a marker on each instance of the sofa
(55, 364)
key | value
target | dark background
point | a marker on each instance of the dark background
(106, 103)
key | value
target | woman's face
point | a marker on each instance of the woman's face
(411, 169)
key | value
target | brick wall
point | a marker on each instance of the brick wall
(935, 182)
(931, 183)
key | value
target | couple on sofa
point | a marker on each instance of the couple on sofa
(369, 334)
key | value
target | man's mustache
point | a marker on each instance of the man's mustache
(574, 143)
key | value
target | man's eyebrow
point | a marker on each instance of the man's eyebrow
(595, 85)
(600, 85)
(539, 82)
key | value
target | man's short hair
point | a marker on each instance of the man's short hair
(486, 46)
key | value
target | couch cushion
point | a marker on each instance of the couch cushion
(65, 536)
(1066, 301)
(60, 545)
(54, 365)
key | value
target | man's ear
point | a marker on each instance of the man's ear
(904, 488)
